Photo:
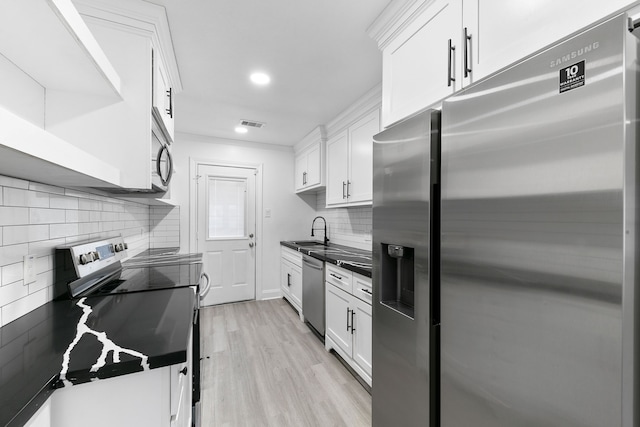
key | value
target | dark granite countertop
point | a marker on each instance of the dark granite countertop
(353, 259)
(61, 343)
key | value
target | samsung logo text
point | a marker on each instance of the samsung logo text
(573, 55)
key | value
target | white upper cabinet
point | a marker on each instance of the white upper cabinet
(120, 132)
(163, 97)
(422, 64)
(48, 52)
(337, 168)
(309, 161)
(350, 163)
(360, 188)
(498, 37)
(430, 49)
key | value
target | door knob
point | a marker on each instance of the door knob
(250, 244)
(251, 235)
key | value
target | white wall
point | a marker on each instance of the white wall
(291, 215)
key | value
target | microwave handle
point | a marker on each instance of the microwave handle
(167, 179)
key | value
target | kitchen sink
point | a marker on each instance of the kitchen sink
(308, 243)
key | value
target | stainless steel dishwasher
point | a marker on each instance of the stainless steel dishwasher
(313, 293)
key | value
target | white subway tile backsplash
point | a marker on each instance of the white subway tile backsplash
(12, 254)
(22, 197)
(37, 186)
(45, 247)
(14, 215)
(11, 273)
(72, 216)
(89, 205)
(42, 282)
(18, 308)
(24, 233)
(13, 292)
(347, 226)
(63, 202)
(36, 218)
(44, 263)
(46, 216)
(6, 181)
(63, 230)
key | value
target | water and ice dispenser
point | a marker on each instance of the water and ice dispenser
(397, 281)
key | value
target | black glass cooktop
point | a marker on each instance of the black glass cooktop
(140, 279)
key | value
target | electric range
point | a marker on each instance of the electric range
(97, 269)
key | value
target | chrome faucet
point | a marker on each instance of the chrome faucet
(326, 239)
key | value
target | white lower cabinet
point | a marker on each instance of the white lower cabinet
(159, 397)
(291, 278)
(348, 320)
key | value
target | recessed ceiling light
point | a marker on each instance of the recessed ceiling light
(241, 129)
(260, 79)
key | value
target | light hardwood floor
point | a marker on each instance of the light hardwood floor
(263, 367)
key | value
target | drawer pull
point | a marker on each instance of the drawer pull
(366, 291)
(336, 276)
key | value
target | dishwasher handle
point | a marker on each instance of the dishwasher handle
(318, 265)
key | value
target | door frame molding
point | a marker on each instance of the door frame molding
(193, 207)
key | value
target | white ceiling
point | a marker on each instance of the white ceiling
(317, 52)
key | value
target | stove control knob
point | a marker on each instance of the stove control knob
(119, 247)
(96, 255)
(83, 259)
(126, 246)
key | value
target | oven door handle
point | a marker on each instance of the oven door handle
(206, 289)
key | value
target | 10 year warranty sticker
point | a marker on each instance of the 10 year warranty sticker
(572, 77)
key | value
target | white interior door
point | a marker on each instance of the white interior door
(225, 234)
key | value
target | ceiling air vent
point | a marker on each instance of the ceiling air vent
(252, 124)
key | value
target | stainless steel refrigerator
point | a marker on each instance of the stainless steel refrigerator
(539, 272)
(405, 264)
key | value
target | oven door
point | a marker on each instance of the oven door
(161, 161)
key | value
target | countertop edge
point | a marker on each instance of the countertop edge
(341, 264)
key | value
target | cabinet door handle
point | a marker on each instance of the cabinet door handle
(467, 52)
(170, 109)
(344, 193)
(288, 279)
(353, 312)
(348, 318)
(451, 51)
(348, 189)
(183, 371)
